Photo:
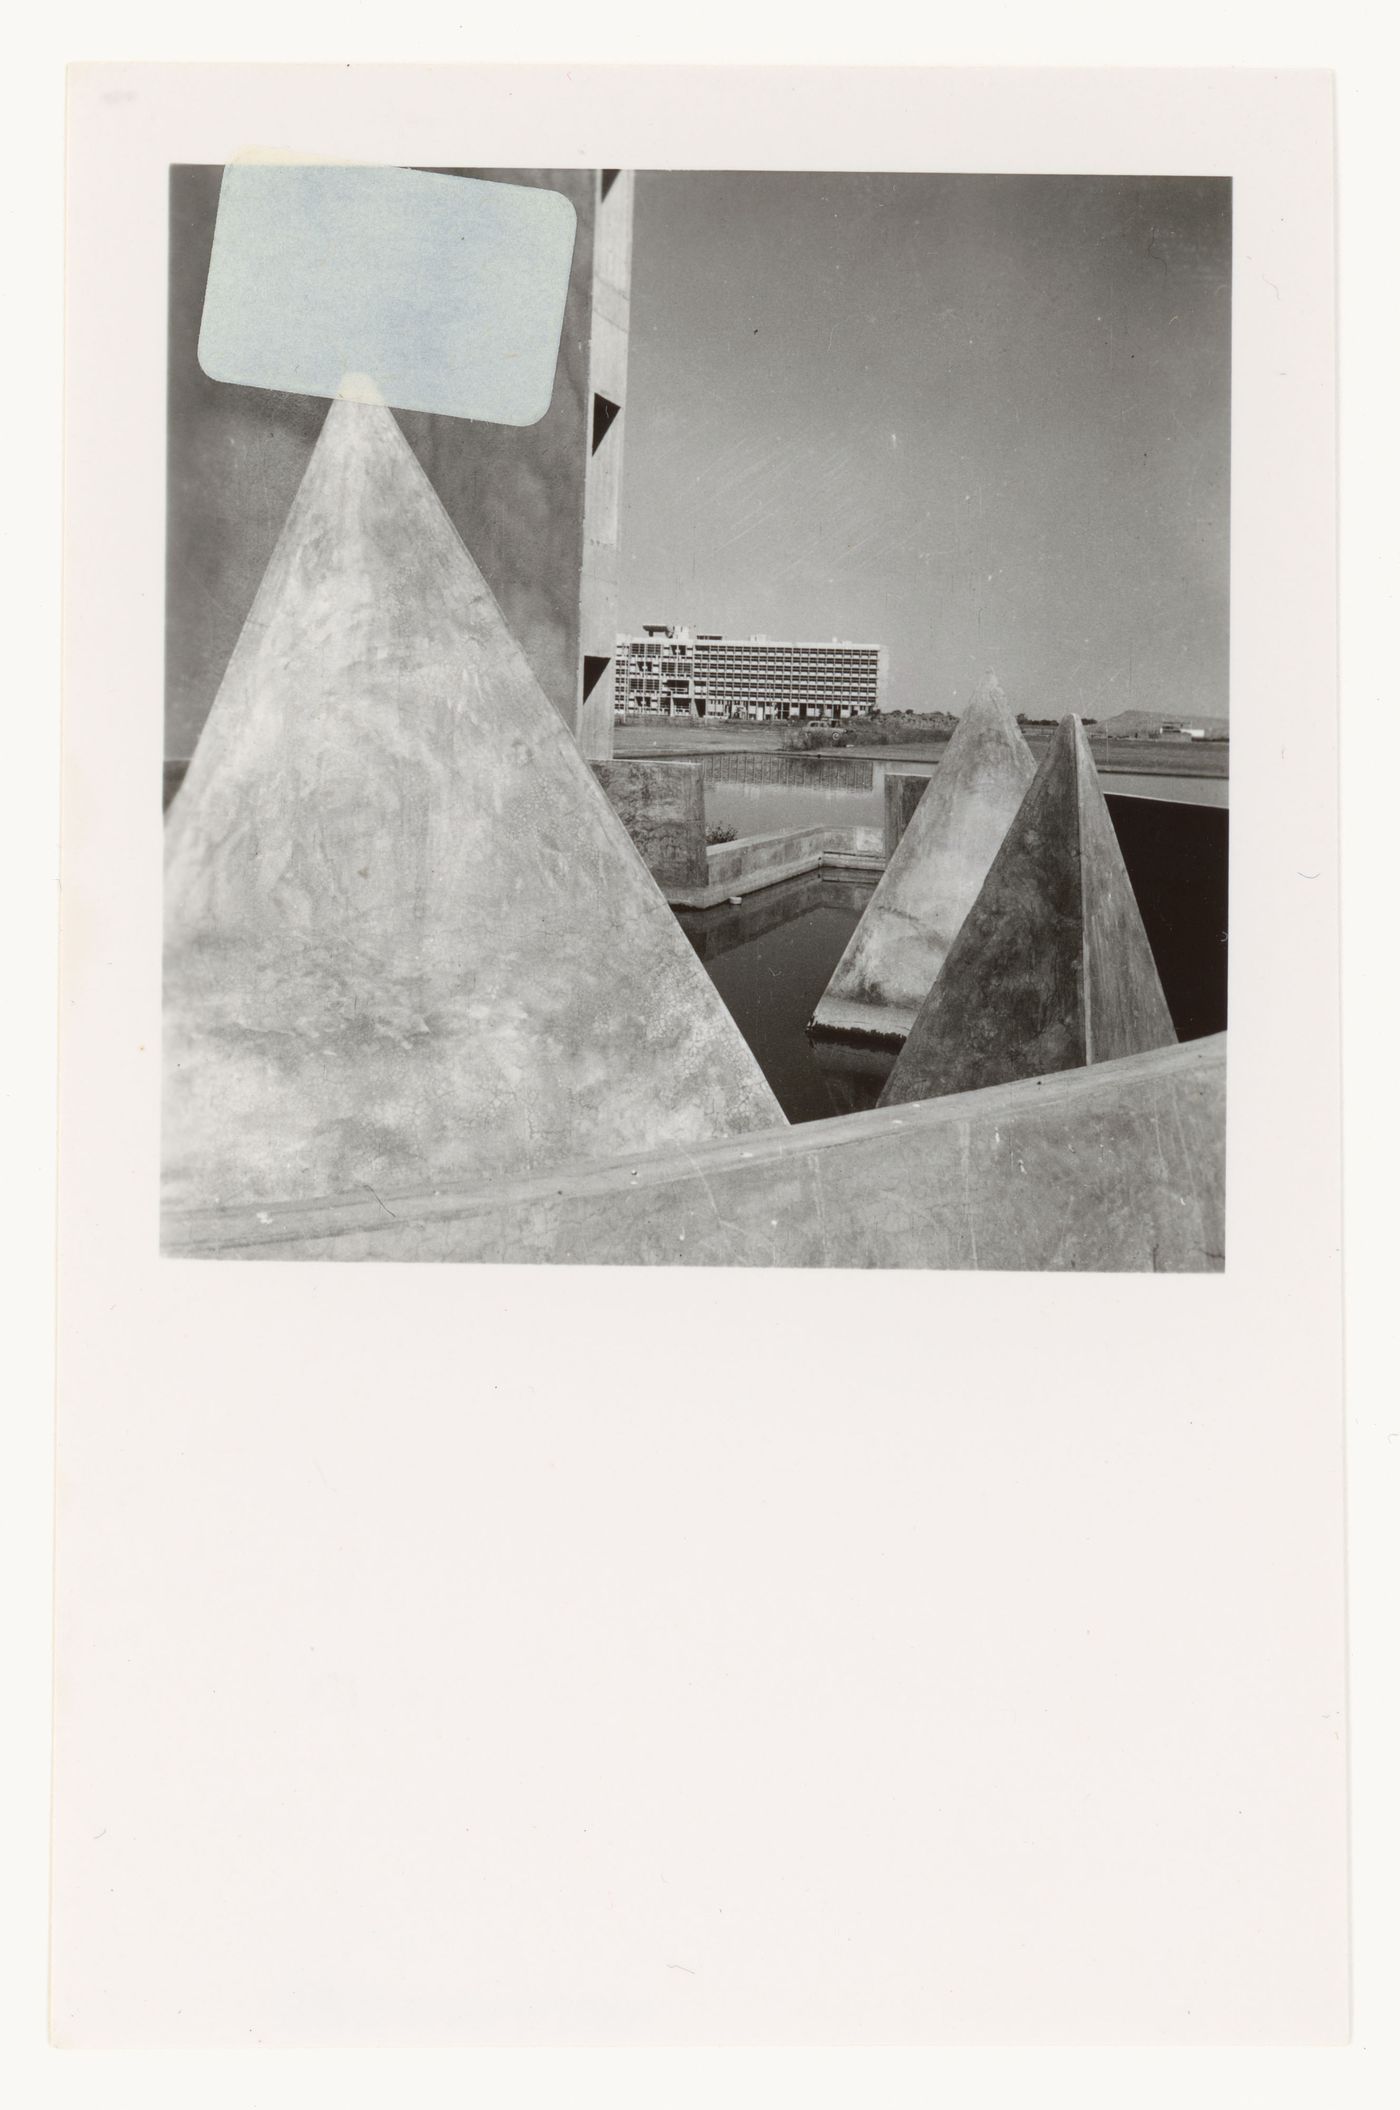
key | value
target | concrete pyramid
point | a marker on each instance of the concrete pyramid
(1052, 969)
(932, 879)
(407, 939)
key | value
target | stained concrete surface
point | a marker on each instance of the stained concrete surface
(903, 792)
(1118, 1168)
(407, 939)
(662, 807)
(933, 877)
(1052, 968)
(448, 290)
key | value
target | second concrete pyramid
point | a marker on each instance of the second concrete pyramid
(932, 879)
(1052, 969)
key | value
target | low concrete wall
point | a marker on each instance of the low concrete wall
(739, 868)
(1114, 1169)
(662, 807)
(1171, 791)
(715, 931)
(903, 792)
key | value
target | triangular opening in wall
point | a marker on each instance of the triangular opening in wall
(594, 668)
(610, 177)
(604, 411)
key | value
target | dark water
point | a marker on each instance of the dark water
(1178, 859)
(770, 960)
(772, 957)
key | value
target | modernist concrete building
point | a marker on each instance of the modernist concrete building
(537, 506)
(669, 671)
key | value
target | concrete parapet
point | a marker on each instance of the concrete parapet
(1117, 1168)
(662, 807)
(755, 861)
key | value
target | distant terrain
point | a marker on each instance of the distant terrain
(1125, 724)
(1117, 742)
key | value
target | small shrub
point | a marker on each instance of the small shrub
(909, 730)
(717, 832)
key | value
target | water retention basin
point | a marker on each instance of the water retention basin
(771, 957)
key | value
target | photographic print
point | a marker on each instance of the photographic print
(729, 725)
(697, 717)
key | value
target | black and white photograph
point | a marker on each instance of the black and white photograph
(742, 667)
(697, 717)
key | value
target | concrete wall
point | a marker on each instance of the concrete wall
(719, 930)
(662, 807)
(755, 861)
(517, 497)
(1115, 1169)
(753, 854)
(902, 794)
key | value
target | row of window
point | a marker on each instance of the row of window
(830, 656)
(795, 659)
(789, 680)
(729, 694)
(680, 708)
(686, 669)
(650, 671)
(751, 688)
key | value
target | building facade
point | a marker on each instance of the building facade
(669, 671)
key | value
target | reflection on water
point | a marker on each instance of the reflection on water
(770, 959)
(760, 793)
(855, 1077)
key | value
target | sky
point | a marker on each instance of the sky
(980, 420)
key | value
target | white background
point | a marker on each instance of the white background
(1329, 2077)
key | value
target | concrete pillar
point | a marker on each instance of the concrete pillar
(662, 807)
(607, 381)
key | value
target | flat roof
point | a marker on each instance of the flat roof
(650, 632)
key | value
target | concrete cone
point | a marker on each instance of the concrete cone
(407, 940)
(932, 880)
(1052, 969)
